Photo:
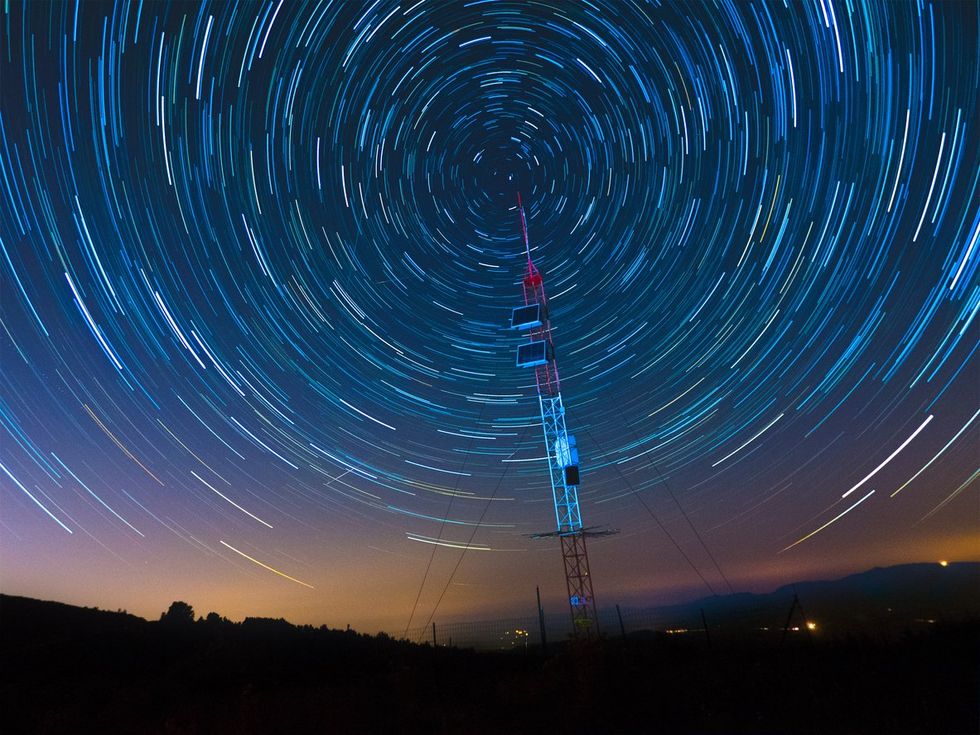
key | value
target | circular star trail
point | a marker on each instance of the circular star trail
(258, 261)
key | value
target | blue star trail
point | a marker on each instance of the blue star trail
(258, 260)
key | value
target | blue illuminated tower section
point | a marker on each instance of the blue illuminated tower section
(538, 353)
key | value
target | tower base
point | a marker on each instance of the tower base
(581, 599)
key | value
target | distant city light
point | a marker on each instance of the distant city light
(810, 625)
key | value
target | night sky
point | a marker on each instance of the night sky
(258, 262)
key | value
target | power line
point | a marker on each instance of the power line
(687, 518)
(442, 526)
(473, 533)
(655, 518)
(673, 497)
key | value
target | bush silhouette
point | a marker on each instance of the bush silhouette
(180, 613)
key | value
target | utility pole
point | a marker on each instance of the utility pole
(544, 638)
(704, 622)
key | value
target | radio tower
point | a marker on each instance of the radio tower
(560, 445)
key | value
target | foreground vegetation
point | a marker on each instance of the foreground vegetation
(68, 669)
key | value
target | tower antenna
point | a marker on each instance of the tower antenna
(527, 247)
(561, 448)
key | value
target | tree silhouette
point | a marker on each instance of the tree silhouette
(180, 613)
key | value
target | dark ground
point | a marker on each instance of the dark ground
(69, 670)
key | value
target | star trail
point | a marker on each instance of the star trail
(258, 260)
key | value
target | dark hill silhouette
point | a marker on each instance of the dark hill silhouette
(883, 600)
(67, 669)
(911, 589)
(42, 617)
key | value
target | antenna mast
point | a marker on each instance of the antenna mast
(561, 447)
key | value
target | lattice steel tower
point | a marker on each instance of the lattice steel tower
(560, 445)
